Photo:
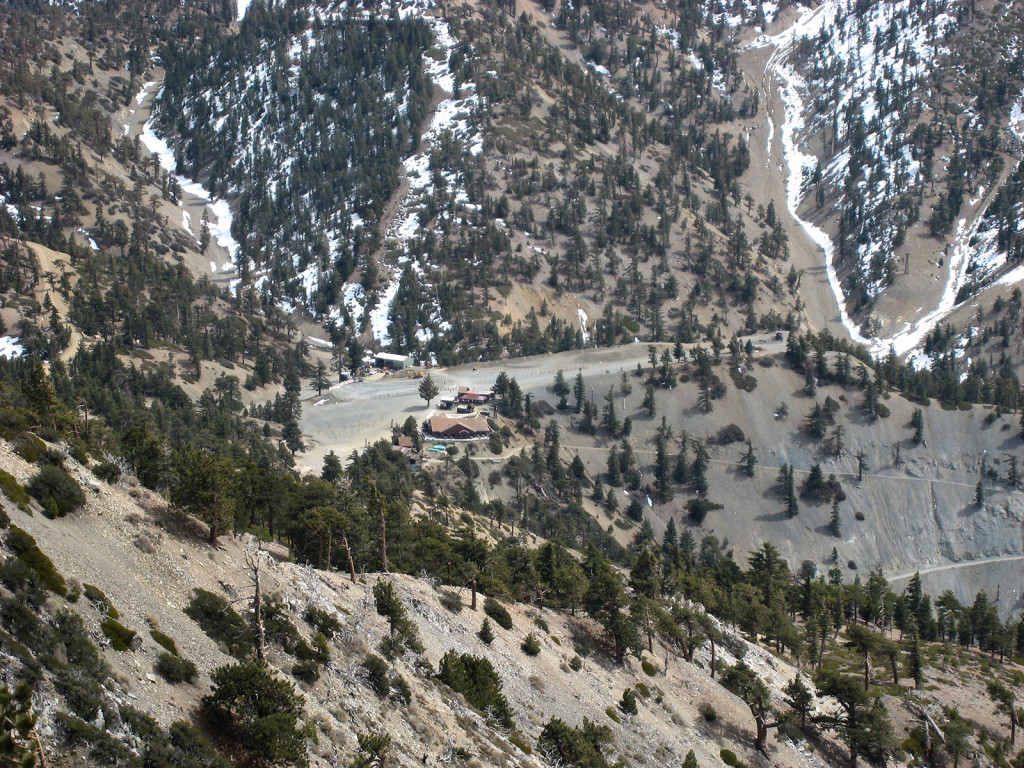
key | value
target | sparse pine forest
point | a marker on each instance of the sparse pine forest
(740, 276)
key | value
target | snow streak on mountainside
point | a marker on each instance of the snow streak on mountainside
(999, 239)
(220, 227)
(856, 79)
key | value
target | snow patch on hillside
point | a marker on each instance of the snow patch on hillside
(732, 14)
(380, 314)
(10, 347)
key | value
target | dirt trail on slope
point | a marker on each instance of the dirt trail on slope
(52, 264)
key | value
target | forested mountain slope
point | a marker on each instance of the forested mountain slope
(588, 154)
(185, 184)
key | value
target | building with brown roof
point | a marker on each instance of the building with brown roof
(457, 427)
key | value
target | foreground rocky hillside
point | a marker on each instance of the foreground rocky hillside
(147, 561)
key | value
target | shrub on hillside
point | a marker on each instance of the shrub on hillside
(175, 669)
(29, 447)
(403, 634)
(52, 456)
(307, 671)
(104, 749)
(277, 627)
(498, 613)
(530, 645)
(164, 641)
(120, 636)
(12, 489)
(476, 680)
(107, 471)
(100, 600)
(14, 422)
(375, 672)
(218, 619)
(628, 702)
(322, 621)
(730, 433)
(451, 600)
(29, 564)
(56, 490)
(576, 746)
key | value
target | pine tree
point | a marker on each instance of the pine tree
(792, 508)
(261, 713)
(704, 399)
(579, 391)
(605, 601)
(810, 383)
(834, 526)
(204, 233)
(662, 472)
(205, 488)
(486, 633)
(609, 420)
(680, 473)
(699, 481)
(648, 402)
(917, 422)
(1006, 704)
(292, 434)
(915, 664)
(870, 404)
(560, 387)
(749, 460)
(625, 387)
(1012, 475)
(319, 379)
(862, 465)
(428, 389)
(614, 469)
(800, 698)
(332, 470)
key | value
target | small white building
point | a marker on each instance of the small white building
(394, 362)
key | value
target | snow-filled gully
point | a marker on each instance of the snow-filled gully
(793, 90)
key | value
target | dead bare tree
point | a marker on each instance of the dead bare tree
(253, 563)
(351, 563)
